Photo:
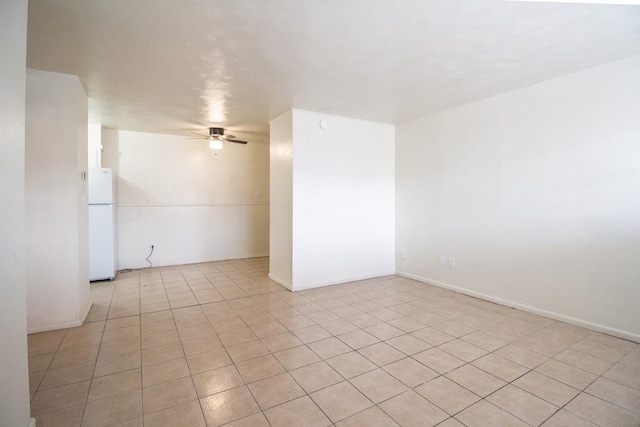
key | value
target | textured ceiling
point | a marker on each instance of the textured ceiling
(174, 66)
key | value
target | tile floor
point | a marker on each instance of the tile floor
(219, 344)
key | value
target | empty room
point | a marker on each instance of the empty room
(339, 213)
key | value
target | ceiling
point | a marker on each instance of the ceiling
(174, 66)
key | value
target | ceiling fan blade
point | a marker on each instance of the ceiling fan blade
(196, 137)
(237, 141)
(199, 134)
(226, 136)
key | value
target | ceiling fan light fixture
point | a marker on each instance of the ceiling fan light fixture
(216, 137)
(215, 144)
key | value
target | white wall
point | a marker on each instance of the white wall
(14, 381)
(192, 203)
(281, 175)
(342, 192)
(535, 194)
(56, 201)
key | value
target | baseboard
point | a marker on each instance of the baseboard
(279, 281)
(194, 261)
(529, 309)
(31, 423)
(63, 325)
(86, 310)
(351, 279)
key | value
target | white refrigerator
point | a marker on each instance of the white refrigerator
(102, 230)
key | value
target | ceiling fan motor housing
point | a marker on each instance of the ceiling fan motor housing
(216, 131)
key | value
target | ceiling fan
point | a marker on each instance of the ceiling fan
(216, 137)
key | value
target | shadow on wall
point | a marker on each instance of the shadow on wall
(111, 150)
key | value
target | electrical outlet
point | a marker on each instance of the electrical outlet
(403, 255)
(443, 260)
(452, 262)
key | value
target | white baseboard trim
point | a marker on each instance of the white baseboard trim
(304, 288)
(31, 423)
(279, 281)
(529, 309)
(354, 279)
(192, 261)
(86, 310)
(63, 325)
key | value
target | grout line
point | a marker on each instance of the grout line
(355, 289)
